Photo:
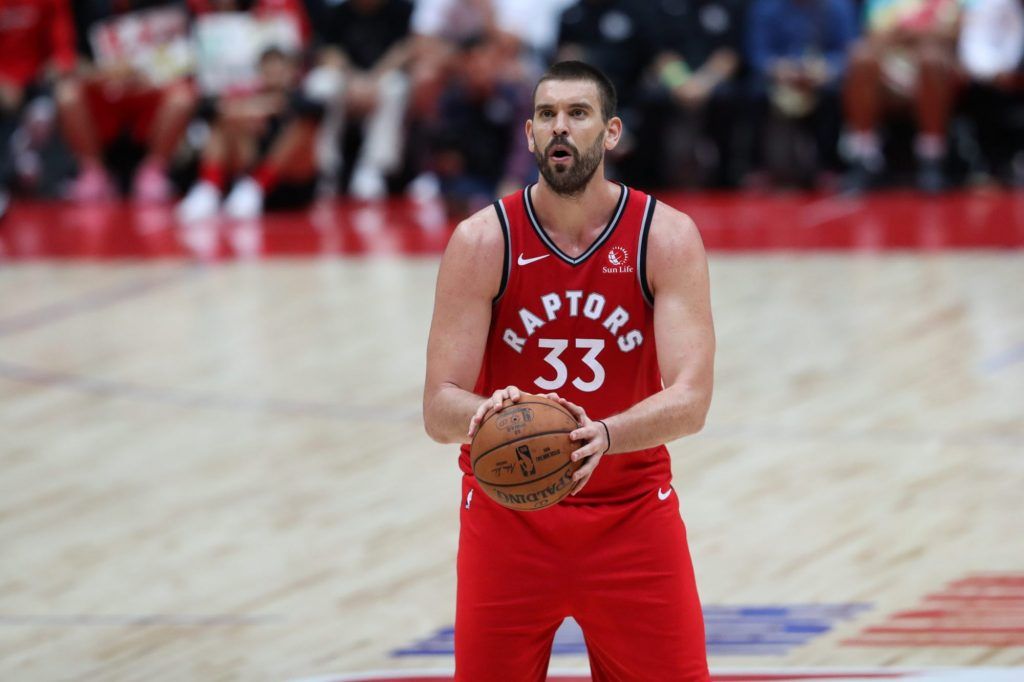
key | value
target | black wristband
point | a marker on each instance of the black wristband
(607, 435)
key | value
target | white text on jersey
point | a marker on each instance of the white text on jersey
(592, 307)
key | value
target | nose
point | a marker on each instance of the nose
(561, 124)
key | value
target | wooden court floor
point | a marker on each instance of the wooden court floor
(220, 472)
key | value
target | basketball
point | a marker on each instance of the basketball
(521, 455)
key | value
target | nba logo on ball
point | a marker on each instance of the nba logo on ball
(618, 257)
(526, 460)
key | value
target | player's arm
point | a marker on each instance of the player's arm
(467, 282)
(684, 334)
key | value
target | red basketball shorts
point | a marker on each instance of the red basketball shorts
(622, 571)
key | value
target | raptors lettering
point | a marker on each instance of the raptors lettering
(574, 303)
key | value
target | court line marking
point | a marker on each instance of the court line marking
(91, 301)
(185, 398)
(194, 399)
(137, 620)
(832, 674)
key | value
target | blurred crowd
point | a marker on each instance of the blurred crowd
(240, 106)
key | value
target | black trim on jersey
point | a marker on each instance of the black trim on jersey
(601, 239)
(641, 257)
(506, 264)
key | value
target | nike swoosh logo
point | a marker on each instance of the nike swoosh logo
(527, 261)
(664, 495)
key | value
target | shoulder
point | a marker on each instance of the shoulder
(475, 256)
(675, 249)
(480, 231)
(674, 232)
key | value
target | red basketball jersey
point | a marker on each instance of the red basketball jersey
(582, 327)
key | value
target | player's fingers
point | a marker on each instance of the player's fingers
(498, 399)
(478, 417)
(587, 432)
(510, 393)
(576, 410)
(584, 478)
(587, 468)
(585, 451)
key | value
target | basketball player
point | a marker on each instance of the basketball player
(597, 294)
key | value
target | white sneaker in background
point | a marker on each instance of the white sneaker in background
(368, 184)
(424, 188)
(201, 203)
(245, 200)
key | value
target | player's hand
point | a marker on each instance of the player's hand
(492, 405)
(593, 449)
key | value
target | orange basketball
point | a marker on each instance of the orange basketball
(521, 456)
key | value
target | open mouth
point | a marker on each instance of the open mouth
(560, 153)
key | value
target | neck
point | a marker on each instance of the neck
(577, 215)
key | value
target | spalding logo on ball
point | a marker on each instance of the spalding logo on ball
(522, 455)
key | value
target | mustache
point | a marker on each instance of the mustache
(563, 142)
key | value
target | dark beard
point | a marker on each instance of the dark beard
(570, 181)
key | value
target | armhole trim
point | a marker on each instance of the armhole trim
(506, 265)
(641, 258)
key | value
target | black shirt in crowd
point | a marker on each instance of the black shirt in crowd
(696, 29)
(364, 31)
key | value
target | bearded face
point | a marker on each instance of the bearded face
(565, 168)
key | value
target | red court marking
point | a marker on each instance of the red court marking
(728, 222)
(734, 677)
(975, 598)
(981, 611)
(991, 581)
(975, 613)
(933, 642)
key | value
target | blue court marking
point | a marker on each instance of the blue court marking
(730, 630)
(1003, 360)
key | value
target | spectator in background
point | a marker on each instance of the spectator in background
(363, 73)
(37, 49)
(482, 113)
(138, 61)
(906, 59)
(700, 50)
(438, 27)
(798, 57)
(619, 38)
(262, 130)
(991, 50)
(532, 27)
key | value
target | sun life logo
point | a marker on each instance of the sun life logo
(619, 259)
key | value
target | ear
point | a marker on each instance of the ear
(612, 133)
(529, 135)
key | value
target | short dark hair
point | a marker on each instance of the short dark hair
(580, 71)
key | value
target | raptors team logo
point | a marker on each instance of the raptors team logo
(618, 258)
